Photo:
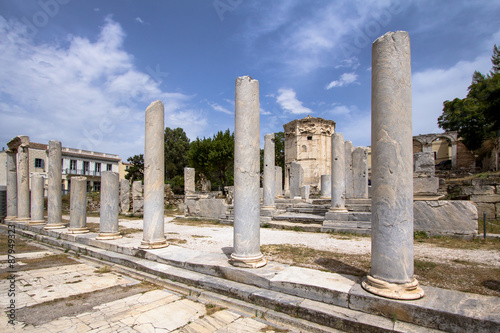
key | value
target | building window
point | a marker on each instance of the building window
(309, 138)
(109, 167)
(126, 167)
(97, 167)
(85, 167)
(97, 186)
(72, 165)
(38, 163)
(89, 186)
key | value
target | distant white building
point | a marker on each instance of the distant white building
(75, 162)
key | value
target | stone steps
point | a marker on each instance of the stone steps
(354, 227)
(299, 217)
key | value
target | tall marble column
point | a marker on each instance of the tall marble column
(296, 175)
(154, 178)
(349, 187)
(279, 181)
(269, 183)
(326, 186)
(360, 172)
(78, 206)
(37, 189)
(189, 181)
(246, 243)
(11, 185)
(391, 273)
(110, 206)
(125, 196)
(54, 196)
(23, 182)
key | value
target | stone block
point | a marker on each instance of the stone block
(443, 217)
(208, 208)
(305, 191)
(478, 190)
(485, 198)
(423, 164)
(489, 208)
(427, 185)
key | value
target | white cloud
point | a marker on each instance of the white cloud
(340, 110)
(264, 112)
(288, 101)
(138, 19)
(87, 94)
(345, 79)
(431, 87)
(219, 108)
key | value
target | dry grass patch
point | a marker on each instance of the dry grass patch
(176, 241)
(457, 275)
(21, 245)
(212, 308)
(197, 222)
(458, 243)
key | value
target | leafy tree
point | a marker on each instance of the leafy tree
(214, 157)
(136, 170)
(476, 118)
(176, 149)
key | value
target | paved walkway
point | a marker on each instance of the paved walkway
(149, 309)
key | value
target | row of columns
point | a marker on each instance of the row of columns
(391, 273)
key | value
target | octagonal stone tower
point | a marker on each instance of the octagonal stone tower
(308, 141)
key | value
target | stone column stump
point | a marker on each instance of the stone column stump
(78, 206)
(37, 188)
(110, 206)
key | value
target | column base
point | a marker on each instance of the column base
(245, 262)
(23, 219)
(153, 244)
(108, 235)
(403, 291)
(9, 219)
(83, 230)
(37, 222)
(55, 226)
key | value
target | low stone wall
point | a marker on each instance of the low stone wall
(210, 205)
(484, 193)
(445, 218)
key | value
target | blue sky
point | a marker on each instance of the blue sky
(83, 72)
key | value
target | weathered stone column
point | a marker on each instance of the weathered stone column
(360, 172)
(269, 183)
(78, 206)
(23, 181)
(454, 151)
(189, 181)
(37, 188)
(125, 196)
(110, 206)
(54, 195)
(137, 197)
(153, 236)
(326, 186)
(246, 243)
(11, 185)
(296, 174)
(391, 273)
(279, 181)
(349, 187)
(338, 173)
